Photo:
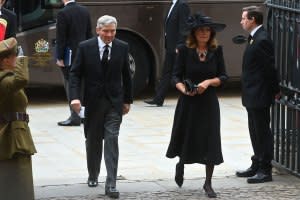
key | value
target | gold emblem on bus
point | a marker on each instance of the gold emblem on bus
(42, 56)
(41, 46)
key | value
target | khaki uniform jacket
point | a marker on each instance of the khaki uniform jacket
(15, 136)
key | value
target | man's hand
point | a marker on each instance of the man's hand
(60, 63)
(76, 105)
(126, 108)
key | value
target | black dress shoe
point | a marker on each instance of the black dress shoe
(260, 177)
(92, 183)
(246, 173)
(179, 174)
(112, 192)
(152, 102)
(209, 191)
(68, 122)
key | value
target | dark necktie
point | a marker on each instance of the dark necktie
(250, 38)
(105, 55)
(104, 60)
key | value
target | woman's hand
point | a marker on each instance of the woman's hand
(180, 86)
(191, 93)
(203, 86)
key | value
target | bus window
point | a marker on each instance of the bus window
(46, 4)
(31, 14)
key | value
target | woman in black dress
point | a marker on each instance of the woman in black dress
(196, 128)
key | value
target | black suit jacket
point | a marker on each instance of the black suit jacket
(11, 19)
(259, 76)
(175, 25)
(116, 84)
(73, 26)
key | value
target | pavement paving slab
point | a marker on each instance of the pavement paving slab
(283, 187)
(59, 167)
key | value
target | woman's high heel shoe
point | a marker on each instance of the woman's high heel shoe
(179, 174)
(209, 191)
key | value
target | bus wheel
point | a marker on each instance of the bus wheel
(140, 62)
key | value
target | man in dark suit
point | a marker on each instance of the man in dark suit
(175, 28)
(259, 89)
(103, 63)
(8, 22)
(73, 26)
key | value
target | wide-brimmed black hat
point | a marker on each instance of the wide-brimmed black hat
(199, 20)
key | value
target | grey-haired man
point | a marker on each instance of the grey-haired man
(103, 64)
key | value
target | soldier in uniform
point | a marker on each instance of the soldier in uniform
(16, 144)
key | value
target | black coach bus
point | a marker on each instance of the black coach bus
(141, 24)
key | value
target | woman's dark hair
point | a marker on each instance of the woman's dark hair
(191, 40)
(254, 12)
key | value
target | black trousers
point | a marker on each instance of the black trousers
(102, 123)
(166, 77)
(261, 138)
(65, 71)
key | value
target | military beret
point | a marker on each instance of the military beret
(8, 45)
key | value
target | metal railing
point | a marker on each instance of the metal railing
(284, 29)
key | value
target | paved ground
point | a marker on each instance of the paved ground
(228, 188)
(59, 167)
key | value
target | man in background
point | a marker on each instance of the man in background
(73, 26)
(175, 27)
(8, 22)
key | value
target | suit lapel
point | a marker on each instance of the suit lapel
(172, 12)
(96, 50)
(251, 45)
(113, 51)
(95, 54)
(261, 29)
(113, 55)
(255, 36)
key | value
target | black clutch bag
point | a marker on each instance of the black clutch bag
(189, 86)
